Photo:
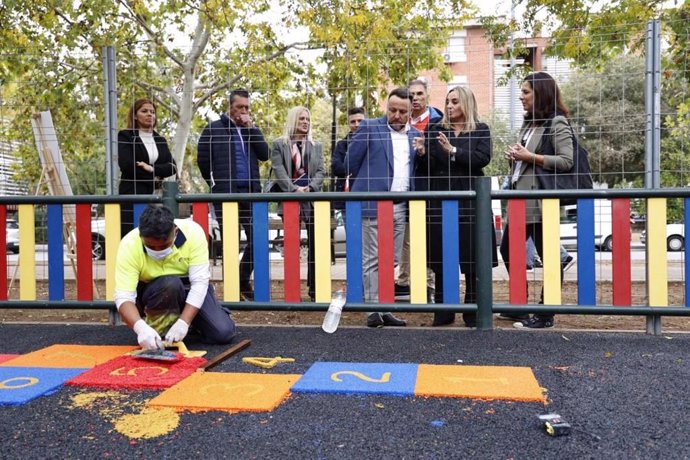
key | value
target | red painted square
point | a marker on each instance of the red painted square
(4, 358)
(133, 373)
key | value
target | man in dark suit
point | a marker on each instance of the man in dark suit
(381, 158)
(229, 152)
(355, 117)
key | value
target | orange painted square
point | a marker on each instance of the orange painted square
(70, 356)
(235, 392)
(479, 382)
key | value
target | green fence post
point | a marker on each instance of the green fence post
(170, 191)
(482, 253)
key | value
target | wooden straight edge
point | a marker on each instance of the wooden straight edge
(225, 355)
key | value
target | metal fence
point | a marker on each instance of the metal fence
(630, 113)
(656, 253)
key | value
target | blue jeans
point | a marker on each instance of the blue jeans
(532, 252)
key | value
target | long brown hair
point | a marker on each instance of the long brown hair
(132, 113)
(546, 97)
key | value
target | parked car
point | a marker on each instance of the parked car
(603, 233)
(12, 236)
(338, 227)
(675, 237)
(98, 239)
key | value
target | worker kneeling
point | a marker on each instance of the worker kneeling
(162, 274)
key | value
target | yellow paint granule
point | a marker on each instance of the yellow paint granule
(150, 423)
(111, 405)
(88, 400)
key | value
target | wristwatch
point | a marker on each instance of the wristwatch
(453, 150)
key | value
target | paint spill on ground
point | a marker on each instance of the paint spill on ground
(149, 423)
(115, 407)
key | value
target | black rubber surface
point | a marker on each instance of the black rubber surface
(625, 395)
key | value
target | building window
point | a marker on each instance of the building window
(456, 48)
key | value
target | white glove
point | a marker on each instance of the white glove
(177, 332)
(147, 337)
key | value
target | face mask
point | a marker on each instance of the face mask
(159, 255)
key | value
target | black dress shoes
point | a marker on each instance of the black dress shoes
(470, 319)
(443, 318)
(390, 320)
(375, 320)
(379, 320)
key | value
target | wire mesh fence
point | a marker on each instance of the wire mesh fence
(605, 98)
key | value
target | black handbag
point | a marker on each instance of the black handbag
(578, 177)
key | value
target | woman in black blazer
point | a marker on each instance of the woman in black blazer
(459, 148)
(143, 157)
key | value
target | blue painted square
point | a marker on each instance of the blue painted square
(358, 378)
(19, 385)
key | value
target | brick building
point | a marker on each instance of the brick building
(473, 61)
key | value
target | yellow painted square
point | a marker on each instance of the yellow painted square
(70, 356)
(235, 392)
(479, 382)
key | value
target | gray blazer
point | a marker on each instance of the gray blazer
(281, 160)
(561, 161)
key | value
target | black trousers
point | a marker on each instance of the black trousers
(170, 293)
(245, 220)
(535, 231)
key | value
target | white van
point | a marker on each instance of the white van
(602, 225)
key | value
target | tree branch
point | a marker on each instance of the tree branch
(153, 90)
(201, 37)
(213, 89)
(150, 32)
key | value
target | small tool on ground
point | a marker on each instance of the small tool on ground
(267, 363)
(158, 355)
(168, 355)
(554, 425)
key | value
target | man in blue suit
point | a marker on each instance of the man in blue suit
(381, 158)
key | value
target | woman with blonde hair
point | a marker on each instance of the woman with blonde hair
(459, 148)
(298, 167)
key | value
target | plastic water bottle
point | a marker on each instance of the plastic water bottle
(335, 309)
